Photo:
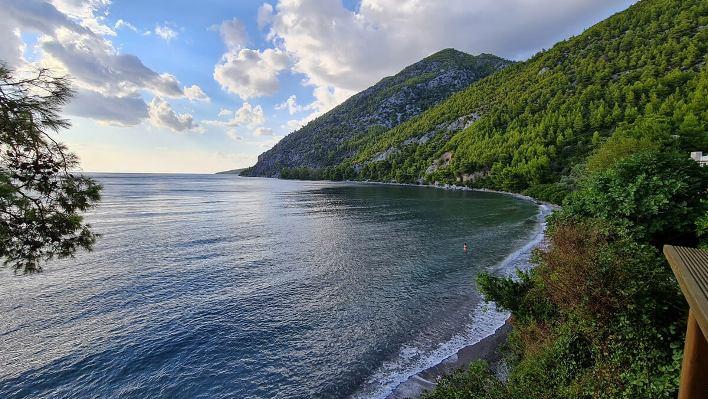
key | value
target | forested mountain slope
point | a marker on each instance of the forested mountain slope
(393, 100)
(641, 72)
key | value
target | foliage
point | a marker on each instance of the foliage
(655, 195)
(601, 315)
(517, 295)
(702, 227)
(647, 134)
(554, 193)
(476, 382)
(41, 199)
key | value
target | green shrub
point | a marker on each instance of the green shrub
(655, 195)
(476, 382)
(600, 316)
(554, 193)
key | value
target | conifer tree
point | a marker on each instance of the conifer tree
(42, 197)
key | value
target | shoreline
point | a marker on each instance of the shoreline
(487, 347)
(424, 381)
(452, 187)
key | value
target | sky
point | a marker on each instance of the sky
(199, 86)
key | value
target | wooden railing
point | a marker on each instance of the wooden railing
(690, 266)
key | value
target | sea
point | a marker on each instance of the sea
(219, 286)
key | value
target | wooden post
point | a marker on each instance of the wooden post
(694, 369)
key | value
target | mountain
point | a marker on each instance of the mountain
(326, 140)
(639, 78)
(640, 73)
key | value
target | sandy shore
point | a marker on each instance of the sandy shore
(486, 349)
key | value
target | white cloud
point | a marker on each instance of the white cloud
(290, 105)
(265, 15)
(37, 15)
(11, 45)
(342, 51)
(326, 98)
(247, 115)
(250, 73)
(233, 135)
(90, 13)
(112, 110)
(165, 32)
(195, 93)
(233, 34)
(72, 39)
(162, 115)
(95, 64)
(263, 131)
(122, 24)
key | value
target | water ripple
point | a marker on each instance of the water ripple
(220, 287)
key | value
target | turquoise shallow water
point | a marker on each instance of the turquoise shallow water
(220, 286)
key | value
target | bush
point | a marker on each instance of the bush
(702, 227)
(476, 382)
(657, 196)
(600, 316)
(554, 193)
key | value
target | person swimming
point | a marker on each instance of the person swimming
(465, 247)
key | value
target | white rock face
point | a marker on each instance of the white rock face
(382, 156)
(458, 124)
(463, 122)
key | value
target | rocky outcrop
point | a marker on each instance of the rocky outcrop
(443, 161)
(460, 123)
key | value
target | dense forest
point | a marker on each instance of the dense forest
(640, 74)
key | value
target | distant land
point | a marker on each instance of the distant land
(231, 172)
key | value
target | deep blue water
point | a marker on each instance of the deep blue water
(218, 286)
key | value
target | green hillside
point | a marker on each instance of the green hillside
(641, 72)
(326, 141)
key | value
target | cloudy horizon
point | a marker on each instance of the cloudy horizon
(208, 86)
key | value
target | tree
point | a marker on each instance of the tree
(41, 196)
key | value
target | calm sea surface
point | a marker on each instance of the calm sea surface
(218, 286)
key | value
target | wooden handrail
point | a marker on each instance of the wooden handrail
(690, 266)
